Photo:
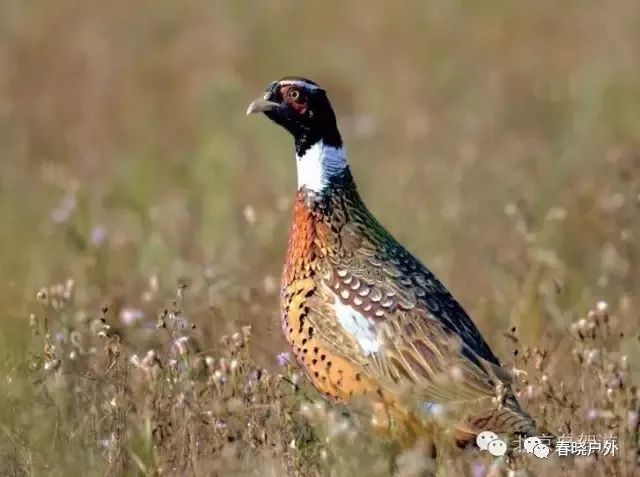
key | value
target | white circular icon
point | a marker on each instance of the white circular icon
(483, 439)
(530, 443)
(497, 448)
(541, 451)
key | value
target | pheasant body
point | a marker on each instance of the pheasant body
(363, 316)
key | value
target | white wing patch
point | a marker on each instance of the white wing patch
(358, 326)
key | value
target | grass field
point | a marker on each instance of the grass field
(144, 221)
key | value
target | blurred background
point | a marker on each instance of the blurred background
(499, 141)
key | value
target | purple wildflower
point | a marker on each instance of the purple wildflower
(98, 235)
(129, 316)
(478, 469)
(283, 359)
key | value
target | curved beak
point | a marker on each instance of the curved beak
(261, 105)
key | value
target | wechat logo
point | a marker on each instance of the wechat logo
(489, 441)
(534, 445)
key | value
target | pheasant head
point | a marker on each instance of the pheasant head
(301, 107)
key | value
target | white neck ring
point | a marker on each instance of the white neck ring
(318, 165)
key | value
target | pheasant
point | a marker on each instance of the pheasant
(364, 317)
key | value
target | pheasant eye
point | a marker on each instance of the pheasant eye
(294, 94)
